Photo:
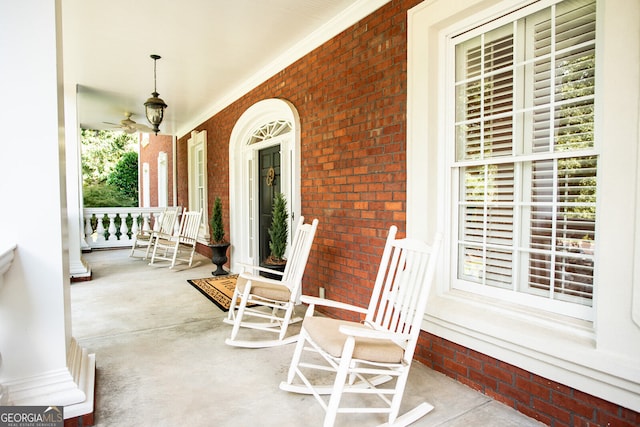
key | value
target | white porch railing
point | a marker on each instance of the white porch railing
(115, 227)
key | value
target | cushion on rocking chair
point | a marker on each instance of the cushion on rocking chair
(165, 242)
(325, 332)
(265, 290)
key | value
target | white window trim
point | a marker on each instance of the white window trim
(197, 142)
(163, 180)
(243, 166)
(519, 160)
(599, 358)
(146, 192)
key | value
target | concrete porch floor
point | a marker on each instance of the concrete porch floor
(161, 360)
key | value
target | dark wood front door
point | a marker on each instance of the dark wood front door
(269, 165)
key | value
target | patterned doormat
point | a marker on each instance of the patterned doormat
(218, 290)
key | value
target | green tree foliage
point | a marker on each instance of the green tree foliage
(576, 132)
(124, 177)
(105, 196)
(101, 151)
(279, 230)
(217, 226)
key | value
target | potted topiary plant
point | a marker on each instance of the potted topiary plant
(279, 233)
(218, 243)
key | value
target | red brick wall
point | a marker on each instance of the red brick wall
(547, 401)
(350, 94)
(149, 154)
(182, 176)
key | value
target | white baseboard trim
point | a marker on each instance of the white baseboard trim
(87, 385)
(72, 387)
(79, 269)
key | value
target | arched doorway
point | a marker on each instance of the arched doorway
(265, 137)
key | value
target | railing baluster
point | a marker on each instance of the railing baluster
(99, 229)
(134, 225)
(156, 221)
(112, 227)
(124, 230)
(117, 234)
(88, 228)
(145, 222)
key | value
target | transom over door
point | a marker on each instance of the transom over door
(269, 186)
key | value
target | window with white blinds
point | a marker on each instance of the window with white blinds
(197, 178)
(200, 179)
(525, 162)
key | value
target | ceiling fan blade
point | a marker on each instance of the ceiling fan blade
(127, 122)
(143, 128)
(129, 126)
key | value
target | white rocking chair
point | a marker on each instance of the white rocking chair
(364, 357)
(168, 248)
(163, 225)
(270, 301)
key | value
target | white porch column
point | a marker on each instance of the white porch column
(78, 268)
(42, 365)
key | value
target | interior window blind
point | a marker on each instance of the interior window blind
(524, 154)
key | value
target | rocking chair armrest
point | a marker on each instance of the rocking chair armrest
(373, 333)
(313, 301)
(258, 268)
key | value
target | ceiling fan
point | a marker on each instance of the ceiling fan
(129, 126)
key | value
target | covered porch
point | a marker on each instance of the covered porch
(163, 360)
(367, 165)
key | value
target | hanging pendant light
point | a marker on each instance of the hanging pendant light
(154, 107)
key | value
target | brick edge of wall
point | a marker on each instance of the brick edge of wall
(547, 401)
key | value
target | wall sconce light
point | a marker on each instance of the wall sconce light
(154, 107)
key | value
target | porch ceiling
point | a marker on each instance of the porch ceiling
(212, 52)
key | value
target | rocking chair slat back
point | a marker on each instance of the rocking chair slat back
(168, 221)
(401, 288)
(190, 226)
(300, 249)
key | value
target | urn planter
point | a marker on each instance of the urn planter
(219, 257)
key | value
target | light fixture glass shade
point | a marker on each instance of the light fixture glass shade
(154, 109)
